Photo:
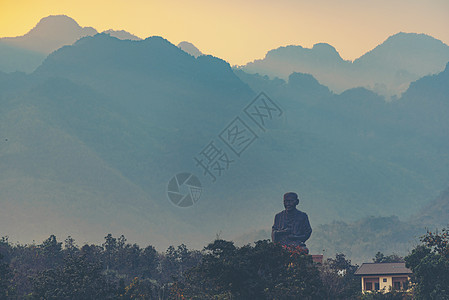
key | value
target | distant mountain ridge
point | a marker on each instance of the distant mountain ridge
(407, 51)
(25, 53)
(190, 48)
(122, 35)
(387, 70)
(154, 57)
(360, 120)
(49, 34)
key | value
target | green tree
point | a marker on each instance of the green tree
(141, 289)
(51, 252)
(393, 258)
(390, 295)
(77, 278)
(176, 261)
(263, 271)
(429, 262)
(149, 261)
(110, 249)
(338, 278)
(5, 280)
(70, 247)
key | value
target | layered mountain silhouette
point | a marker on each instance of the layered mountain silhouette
(25, 53)
(49, 34)
(402, 138)
(90, 140)
(388, 69)
(115, 134)
(122, 35)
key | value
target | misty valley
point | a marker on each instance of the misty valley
(100, 133)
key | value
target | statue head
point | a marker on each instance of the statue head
(290, 201)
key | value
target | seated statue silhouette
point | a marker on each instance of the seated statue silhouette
(291, 227)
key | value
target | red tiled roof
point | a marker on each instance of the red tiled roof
(317, 258)
(382, 269)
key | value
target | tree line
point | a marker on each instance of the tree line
(120, 270)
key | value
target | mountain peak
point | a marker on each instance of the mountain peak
(122, 35)
(59, 26)
(190, 48)
(154, 57)
(411, 36)
(410, 44)
(307, 84)
(325, 48)
(405, 57)
(50, 34)
(53, 20)
(319, 50)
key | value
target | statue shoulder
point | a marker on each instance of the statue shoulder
(279, 214)
(301, 214)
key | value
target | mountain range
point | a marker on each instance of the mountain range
(91, 138)
(387, 69)
(88, 125)
(25, 53)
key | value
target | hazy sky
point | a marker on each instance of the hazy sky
(241, 31)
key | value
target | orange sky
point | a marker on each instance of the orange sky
(241, 31)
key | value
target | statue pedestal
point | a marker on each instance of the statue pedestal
(317, 258)
(300, 249)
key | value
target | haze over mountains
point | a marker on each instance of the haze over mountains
(68, 146)
(90, 139)
(362, 239)
(419, 115)
(387, 70)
